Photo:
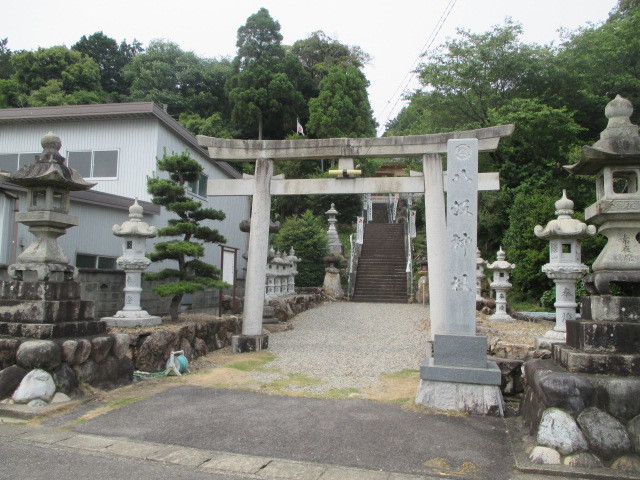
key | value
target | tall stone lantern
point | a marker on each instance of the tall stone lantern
(48, 182)
(500, 284)
(45, 298)
(615, 160)
(335, 245)
(564, 267)
(133, 261)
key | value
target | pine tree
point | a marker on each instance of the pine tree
(192, 274)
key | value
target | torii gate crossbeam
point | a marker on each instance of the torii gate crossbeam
(263, 185)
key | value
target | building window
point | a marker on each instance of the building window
(94, 164)
(84, 260)
(199, 187)
(11, 162)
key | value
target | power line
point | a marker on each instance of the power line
(412, 70)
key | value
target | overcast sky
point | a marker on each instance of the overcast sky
(393, 32)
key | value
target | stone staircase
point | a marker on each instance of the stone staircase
(382, 265)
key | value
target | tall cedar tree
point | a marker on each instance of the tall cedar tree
(192, 274)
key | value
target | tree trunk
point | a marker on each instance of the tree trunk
(174, 308)
(260, 127)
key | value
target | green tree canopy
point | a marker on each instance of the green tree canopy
(319, 52)
(342, 108)
(51, 76)
(111, 57)
(265, 87)
(187, 248)
(185, 83)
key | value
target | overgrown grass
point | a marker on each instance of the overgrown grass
(257, 362)
(293, 380)
(406, 373)
(123, 402)
(526, 306)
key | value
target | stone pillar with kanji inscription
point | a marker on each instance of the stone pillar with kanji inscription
(458, 376)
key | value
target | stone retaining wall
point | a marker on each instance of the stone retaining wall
(100, 361)
(106, 289)
(582, 420)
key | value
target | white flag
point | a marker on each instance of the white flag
(299, 128)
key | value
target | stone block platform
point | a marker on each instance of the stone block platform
(46, 310)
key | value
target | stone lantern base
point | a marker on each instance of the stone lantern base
(139, 318)
(44, 310)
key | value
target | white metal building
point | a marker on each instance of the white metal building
(115, 146)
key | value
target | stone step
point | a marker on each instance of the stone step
(604, 337)
(46, 311)
(18, 290)
(599, 363)
(43, 331)
(377, 299)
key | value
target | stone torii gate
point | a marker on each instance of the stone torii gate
(263, 185)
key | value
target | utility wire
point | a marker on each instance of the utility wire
(402, 87)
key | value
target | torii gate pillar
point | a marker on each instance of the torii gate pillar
(252, 338)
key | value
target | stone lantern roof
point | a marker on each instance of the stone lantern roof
(134, 227)
(619, 142)
(564, 226)
(49, 169)
(501, 264)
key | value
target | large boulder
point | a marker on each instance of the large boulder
(39, 354)
(558, 430)
(627, 463)
(10, 378)
(100, 347)
(155, 350)
(545, 456)
(120, 344)
(633, 427)
(88, 372)
(65, 379)
(76, 352)
(37, 384)
(8, 349)
(605, 435)
(583, 460)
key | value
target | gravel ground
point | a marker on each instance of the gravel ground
(348, 345)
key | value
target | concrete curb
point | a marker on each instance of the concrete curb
(249, 466)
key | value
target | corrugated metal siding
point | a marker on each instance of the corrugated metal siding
(135, 139)
(7, 206)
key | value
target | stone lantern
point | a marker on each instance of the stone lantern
(133, 261)
(48, 182)
(43, 300)
(564, 266)
(335, 245)
(293, 271)
(615, 160)
(480, 264)
(500, 284)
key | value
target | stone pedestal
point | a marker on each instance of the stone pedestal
(605, 340)
(43, 310)
(458, 375)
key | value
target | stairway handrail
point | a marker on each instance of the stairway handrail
(354, 255)
(409, 252)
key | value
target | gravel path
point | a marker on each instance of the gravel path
(348, 344)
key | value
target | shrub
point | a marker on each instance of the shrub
(307, 235)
